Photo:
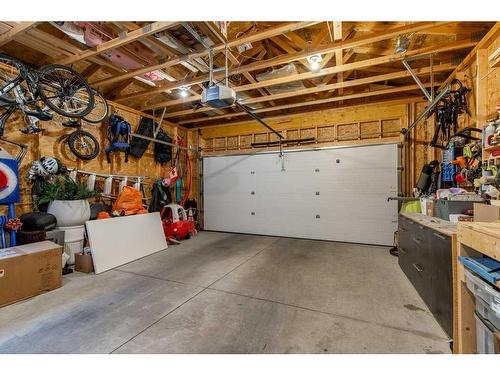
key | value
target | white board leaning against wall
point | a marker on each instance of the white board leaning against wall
(337, 194)
(121, 240)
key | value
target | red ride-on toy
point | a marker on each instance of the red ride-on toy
(175, 222)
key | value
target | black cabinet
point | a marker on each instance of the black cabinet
(425, 258)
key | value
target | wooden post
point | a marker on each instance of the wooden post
(482, 88)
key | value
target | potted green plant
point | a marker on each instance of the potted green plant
(68, 201)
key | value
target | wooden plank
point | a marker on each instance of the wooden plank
(309, 75)
(339, 59)
(483, 43)
(251, 38)
(328, 100)
(121, 40)
(481, 236)
(482, 87)
(306, 91)
(21, 27)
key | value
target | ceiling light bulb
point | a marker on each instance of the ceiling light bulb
(314, 66)
(184, 91)
(314, 61)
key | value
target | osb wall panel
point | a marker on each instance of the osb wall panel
(308, 133)
(293, 134)
(348, 131)
(369, 129)
(262, 137)
(53, 142)
(391, 127)
(326, 126)
(493, 81)
(313, 119)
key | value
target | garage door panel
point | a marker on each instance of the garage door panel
(314, 197)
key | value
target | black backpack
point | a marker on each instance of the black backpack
(163, 153)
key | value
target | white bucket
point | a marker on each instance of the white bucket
(73, 241)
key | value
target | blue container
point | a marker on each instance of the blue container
(448, 170)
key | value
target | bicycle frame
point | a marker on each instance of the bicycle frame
(20, 100)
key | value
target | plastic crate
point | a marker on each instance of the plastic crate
(448, 170)
(485, 338)
(487, 312)
(483, 290)
(443, 208)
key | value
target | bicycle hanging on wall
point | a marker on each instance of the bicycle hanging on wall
(58, 88)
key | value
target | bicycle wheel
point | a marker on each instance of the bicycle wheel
(83, 144)
(65, 91)
(10, 70)
(100, 111)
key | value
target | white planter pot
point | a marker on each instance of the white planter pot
(70, 213)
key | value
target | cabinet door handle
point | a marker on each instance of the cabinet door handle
(439, 235)
(418, 267)
(417, 240)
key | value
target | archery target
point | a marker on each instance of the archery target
(9, 182)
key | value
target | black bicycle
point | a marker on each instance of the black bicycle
(60, 88)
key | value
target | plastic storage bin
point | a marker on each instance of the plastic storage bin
(489, 313)
(483, 290)
(443, 208)
(448, 170)
(485, 339)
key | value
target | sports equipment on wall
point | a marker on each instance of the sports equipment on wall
(62, 90)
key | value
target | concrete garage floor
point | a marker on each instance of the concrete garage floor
(231, 293)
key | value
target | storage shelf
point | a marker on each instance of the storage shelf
(473, 239)
(492, 148)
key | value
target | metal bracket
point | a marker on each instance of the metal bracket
(257, 118)
(417, 80)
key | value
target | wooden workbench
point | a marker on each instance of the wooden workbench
(442, 226)
(473, 239)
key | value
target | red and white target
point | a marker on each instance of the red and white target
(9, 182)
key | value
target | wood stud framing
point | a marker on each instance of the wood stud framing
(358, 62)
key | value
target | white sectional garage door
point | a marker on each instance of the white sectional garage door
(337, 194)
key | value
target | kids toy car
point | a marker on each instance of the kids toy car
(175, 222)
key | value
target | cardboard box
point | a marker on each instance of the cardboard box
(486, 213)
(429, 207)
(29, 270)
(83, 263)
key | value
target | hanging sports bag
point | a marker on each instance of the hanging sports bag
(163, 153)
(139, 145)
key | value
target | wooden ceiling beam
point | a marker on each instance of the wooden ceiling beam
(20, 28)
(247, 39)
(333, 86)
(284, 59)
(119, 41)
(67, 49)
(334, 69)
(339, 58)
(373, 93)
(401, 100)
(90, 70)
(491, 35)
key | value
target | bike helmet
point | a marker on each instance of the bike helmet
(37, 169)
(51, 165)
